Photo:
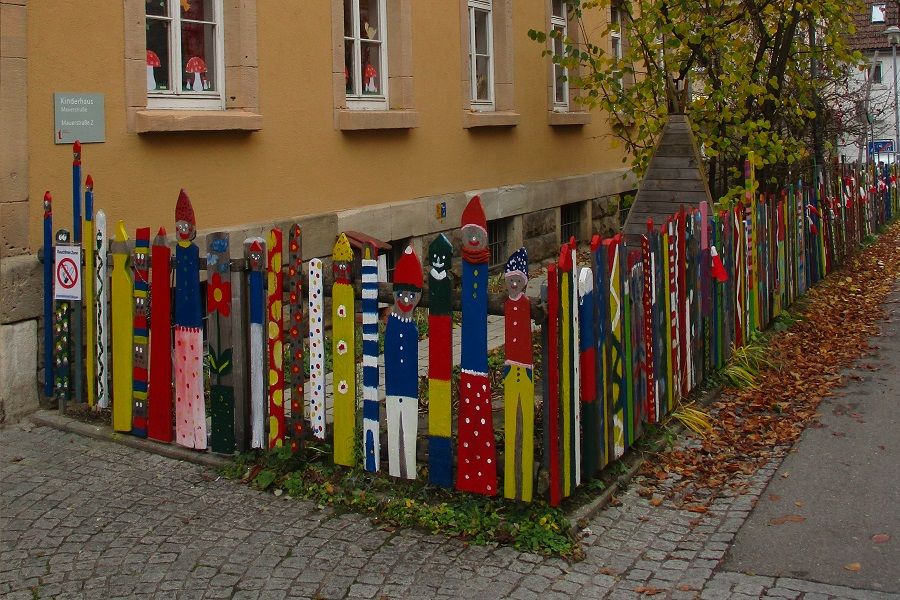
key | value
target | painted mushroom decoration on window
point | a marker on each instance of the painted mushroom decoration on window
(369, 77)
(196, 66)
(152, 63)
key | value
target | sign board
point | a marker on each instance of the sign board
(881, 147)
(67, 280)
(79, 117)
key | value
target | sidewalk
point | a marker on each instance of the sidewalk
(839, 486)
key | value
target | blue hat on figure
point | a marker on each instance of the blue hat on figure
(518, 263)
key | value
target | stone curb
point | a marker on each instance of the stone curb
(53, 419)
(582, 515)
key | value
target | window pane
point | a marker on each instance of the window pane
(198, 10)
(482, 78)
(369, 24)
(158, 72)
(348, 18)
(370, 67)
(157, 7)
(348, 67)
(481, 31)
(617, 47)
(198, 57)
(559, 8)
(559, 45)
(561, 84)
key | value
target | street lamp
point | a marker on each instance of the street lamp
(893, 36)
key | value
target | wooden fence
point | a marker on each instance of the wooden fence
(627, 331)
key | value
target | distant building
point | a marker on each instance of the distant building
(871, 41)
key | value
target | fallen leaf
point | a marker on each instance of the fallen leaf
(774, 497)
(798, 503)
(649, 590)
(684, 587)
(655, 501)
(880, 538)
(608, 571)
(787, 519)
(697, 508)
(785, 475)
(855, 566)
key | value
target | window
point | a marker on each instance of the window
(876, 73)
(569, 221)
(878, 13)
(615, 34)
(481, 50)
(185, 54)
(497, 234)
(365, 54)
(559, 23)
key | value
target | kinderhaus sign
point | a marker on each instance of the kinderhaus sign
(78, 117)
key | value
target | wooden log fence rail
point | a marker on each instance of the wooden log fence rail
(626, 334)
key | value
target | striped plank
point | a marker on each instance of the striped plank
(140, 266)
(567, 398)
(601, 320)
(343, 348)
(160, 393)
(576, 370)
(551, 410)
(587, 356)
(255, 253)
(647, 329)
(101, 308)
(275, 337)
(316, 351)
(121, 315)
(615, 364)
(371, 440)
(220, 340)
(440, 362)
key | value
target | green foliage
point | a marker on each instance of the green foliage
(532, 527)
(746, 363)
(746, 63)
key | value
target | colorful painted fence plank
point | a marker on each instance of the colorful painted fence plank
(440, 362)
(343, 349)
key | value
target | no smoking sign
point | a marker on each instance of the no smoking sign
(68, 273)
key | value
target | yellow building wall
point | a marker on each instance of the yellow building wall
(298, 163)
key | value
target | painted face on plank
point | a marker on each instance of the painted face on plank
(516, 283)
(341, 271)
(185, 231)
(474, 238)
(405, 301)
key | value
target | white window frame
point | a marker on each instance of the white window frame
(561, 23)
(360, 101)
(879, 13)
(878, 73)
(615, 35)
(475, 103)
(177, 97)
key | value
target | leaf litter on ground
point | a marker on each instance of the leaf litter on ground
(832, 327)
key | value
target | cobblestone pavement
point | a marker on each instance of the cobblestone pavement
(81, 518)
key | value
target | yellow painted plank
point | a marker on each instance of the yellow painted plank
(122, 306)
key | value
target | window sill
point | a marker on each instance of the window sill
(151, 121)
(358, 120)
(561, 119)
(497, 118)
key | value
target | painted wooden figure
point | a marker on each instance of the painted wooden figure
(294, 424)
(160, 392)
(255, 253)
(275, 338)
(221, 353)
(190, 411)
(90, 299)
(140, 265)
(476, 454)
(343, 348)
(49, 313)
(440, 362)
(101, 308)
(401, 367)
(62, 342)
(518, 382)
(122, 305)
(316, 351)
(371, 439)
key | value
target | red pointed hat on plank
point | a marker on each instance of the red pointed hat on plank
(408, 272)
(184, 211)
(718, 269)
(474, 214)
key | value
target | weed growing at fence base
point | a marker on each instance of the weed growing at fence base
(534, 527)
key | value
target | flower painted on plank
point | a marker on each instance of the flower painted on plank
(343, 387)
(218, 295)
(342, 311)
(342, 347)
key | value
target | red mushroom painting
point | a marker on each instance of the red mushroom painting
(196, 66)
(152, 63)
(369, 76)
